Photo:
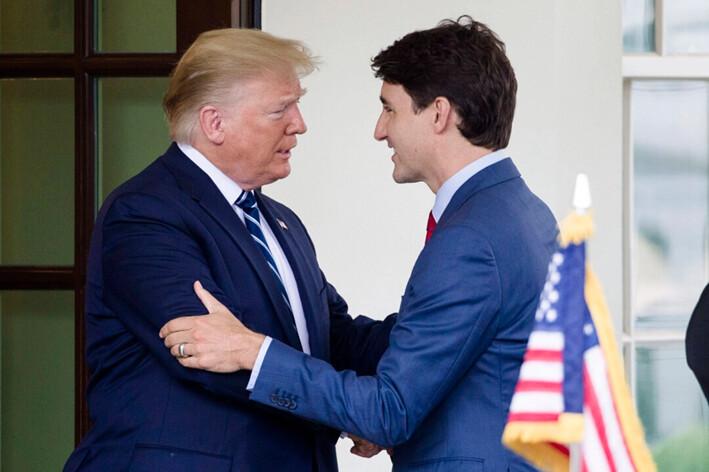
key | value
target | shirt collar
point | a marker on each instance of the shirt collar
(450, 186)
(226, 186)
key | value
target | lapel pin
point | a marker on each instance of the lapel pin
(282, 224)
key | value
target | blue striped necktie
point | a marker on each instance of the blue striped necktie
(252, 218)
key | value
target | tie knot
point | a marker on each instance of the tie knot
(246, 200)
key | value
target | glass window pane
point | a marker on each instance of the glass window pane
(37, 378)
(136, 26)
(672, 409)
(687, 26)
(670, 128)
(37, 26)
(132, 129)
(638, 26)
(37, 171)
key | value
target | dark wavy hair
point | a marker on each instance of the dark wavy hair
(463, 61)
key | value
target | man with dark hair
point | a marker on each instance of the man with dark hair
(465, 63)
(441, 393)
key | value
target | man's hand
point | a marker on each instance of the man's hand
(363, 448)
(217, 342)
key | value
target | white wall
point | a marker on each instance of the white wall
(369, 230)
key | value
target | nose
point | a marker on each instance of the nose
(380, 130)
(297, 124)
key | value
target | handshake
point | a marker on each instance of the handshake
(364, 448)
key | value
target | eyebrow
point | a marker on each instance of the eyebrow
(383, 100)
(295, 98)
(287, 100)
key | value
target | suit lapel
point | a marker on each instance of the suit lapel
(195, 183)
(308, 287)
(489, 176)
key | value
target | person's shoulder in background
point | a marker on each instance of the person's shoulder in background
(697, 341)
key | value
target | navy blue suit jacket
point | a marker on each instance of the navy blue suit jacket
(154, 236)
(442, 390)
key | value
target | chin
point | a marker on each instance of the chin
(400, 178)
(283, 173)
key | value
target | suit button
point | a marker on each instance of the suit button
(293, 405)
(274, 398)
(286, 403)
(281, 401)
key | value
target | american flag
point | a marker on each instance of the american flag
(571, 388)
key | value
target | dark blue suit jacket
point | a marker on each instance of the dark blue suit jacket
(442, 390)
(154, 236)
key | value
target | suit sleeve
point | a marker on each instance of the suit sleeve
(447, 319)
(150, 261)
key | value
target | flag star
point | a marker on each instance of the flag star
(554, 296)
(551, 316)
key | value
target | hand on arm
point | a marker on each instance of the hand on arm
(217, 341)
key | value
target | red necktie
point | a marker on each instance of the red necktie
(430, 226)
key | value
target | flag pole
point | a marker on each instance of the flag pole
(581, 203)
(575, 457)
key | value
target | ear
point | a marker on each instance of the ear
(443, 114)
(211, 120)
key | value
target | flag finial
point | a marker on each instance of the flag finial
(578, 225)
(582, 195)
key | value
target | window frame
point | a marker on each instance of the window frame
(85, 65)
(656, 65)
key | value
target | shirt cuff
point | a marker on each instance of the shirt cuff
(257, 365)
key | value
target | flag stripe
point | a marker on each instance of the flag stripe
(542, 371)
(538, 386)
(537, 402)
(532, 417)
(598, 377)
(593, 454)
(546, 340)
(543, 355)
(597, 420)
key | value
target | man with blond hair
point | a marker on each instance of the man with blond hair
(197, 213)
